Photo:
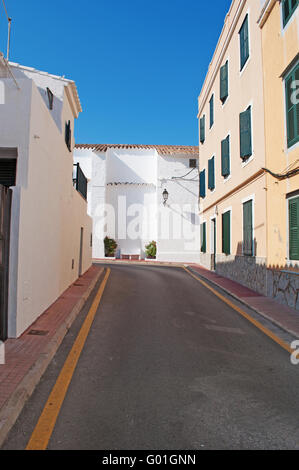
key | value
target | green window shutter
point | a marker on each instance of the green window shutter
(202, 129)
(203, 237)
(292, 108)
(244, 42)
(225, 157)
(211, 177)
(294, 228)
(224, 82)
(288, 8)
(247, 229)
(245, 134)
(226, 233)
(202, 184)
(211, 111)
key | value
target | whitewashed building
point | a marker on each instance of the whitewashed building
(50, 231)
(125, 198)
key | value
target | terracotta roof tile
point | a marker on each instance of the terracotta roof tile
(161, 149)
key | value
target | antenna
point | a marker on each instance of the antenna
(9, 29)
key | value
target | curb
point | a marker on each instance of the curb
(140, 263)
(256, 310)
(12, 408)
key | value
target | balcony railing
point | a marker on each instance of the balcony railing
(80, 181)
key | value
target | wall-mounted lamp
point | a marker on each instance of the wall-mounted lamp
(165, 196)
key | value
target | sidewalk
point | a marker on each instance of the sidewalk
(281, 315)
(27, 357)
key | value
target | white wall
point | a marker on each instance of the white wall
(47, 212)
(131, 182)
(181, 241)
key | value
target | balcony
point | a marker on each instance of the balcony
(80, 181)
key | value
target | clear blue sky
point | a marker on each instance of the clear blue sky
(138, 65)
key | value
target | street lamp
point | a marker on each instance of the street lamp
(165, 196)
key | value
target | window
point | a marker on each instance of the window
(211, 177)
(244, 42)
(245, 134)
(202, 184)
(8, 168)
(247, 229)
(225, 157)
(226, 233)
(294, 228)
(192, 163)
(68, 135)
(203, 237)
(211, 111)
(292, 106)
(288, 8)
(202, 129)
(224, 82)
(50, 98)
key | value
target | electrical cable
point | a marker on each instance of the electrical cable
(8, 19)
(180, 177)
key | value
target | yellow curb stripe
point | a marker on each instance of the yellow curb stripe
(42, 433)
(244, 314)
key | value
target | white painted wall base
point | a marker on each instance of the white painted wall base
(2, 353)
(183, 257)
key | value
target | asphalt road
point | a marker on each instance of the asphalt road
(168, 365)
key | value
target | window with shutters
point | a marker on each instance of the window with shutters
(211, 111)
(294, 228)
(8, 168)
(203, 237)
(244, 42)
(68, 135)
(288, 8)
(292, 106)
(224, 82)
(202, 184)
(225, 157)
(226, 224)
(245, 134)
(211, 176)
(202, 129)
(247, 229)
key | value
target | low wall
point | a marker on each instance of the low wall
(248, 271)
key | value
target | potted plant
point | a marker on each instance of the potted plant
(110, 247)
(151, 250)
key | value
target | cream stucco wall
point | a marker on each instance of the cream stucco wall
(245, 89)
(280, 48)
(47, 212)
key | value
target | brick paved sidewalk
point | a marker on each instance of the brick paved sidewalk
(27, 357)
(282, 315)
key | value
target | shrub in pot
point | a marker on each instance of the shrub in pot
(151, 250)
(110, 247)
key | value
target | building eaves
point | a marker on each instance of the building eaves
(161, 149)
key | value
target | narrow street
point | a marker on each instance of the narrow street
(168, 365)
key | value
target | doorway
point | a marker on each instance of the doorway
(5, 216)
(81, 252)
(213, 244)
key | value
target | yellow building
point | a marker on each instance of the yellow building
(279, 23)
(237, 138)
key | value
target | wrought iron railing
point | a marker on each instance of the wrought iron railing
(80, 181)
